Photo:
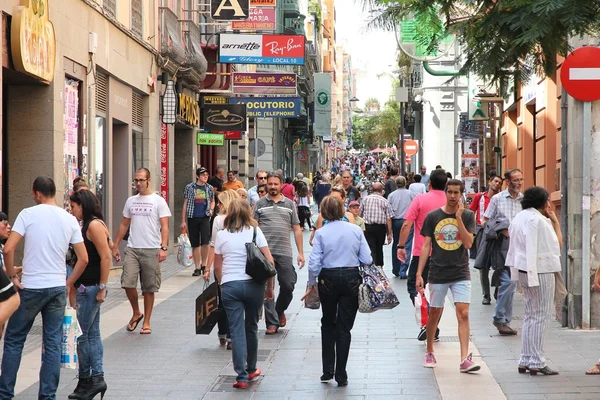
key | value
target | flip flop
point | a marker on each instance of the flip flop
(145, 331)
(595, 370)
(134, 323)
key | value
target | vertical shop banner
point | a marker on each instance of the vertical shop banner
(164, 161)
(322, 121)
(470, 167)
(71, 127)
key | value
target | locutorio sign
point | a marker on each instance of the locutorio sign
(33, 42)
(269, 107)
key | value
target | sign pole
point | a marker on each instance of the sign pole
(255, 148)
(585, 216)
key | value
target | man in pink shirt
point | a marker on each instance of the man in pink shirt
(419, 208)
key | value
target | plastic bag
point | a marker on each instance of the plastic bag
(70, 332)
(312, 301)
(421, 309)
(185, 256)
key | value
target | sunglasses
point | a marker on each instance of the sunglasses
(262, 177)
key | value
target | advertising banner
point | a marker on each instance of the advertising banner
(322, 122)
(470, 167)
(261, 19)
(264, 83)
(210, 139)
(269, 107)
(164, 161)
(261, 49)
(263, 3)
(224, 117)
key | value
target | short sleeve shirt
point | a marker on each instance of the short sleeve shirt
(418, 210)
(276, 220)
(449, 261)
(145, 213)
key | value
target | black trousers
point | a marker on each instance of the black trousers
(304, 216)
(411, 282)
(484, 273)
(375, 235)
(338, 292)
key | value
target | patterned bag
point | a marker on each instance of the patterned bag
(375, 293)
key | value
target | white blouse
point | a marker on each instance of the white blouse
(534, 246)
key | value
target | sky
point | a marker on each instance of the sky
(373, 52)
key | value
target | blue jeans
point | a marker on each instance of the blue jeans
(506, 292)
(51, 302)
(401, 268)
(242, 301)
(90, 350)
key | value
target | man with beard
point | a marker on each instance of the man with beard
(480, 203)
(277, 217)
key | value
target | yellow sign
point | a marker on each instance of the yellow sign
(215, 100)
(188, 110)
(33, 42)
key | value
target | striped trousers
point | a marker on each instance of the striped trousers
(539, 302)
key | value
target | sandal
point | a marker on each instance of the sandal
(145, 331)
(595, 370)
(133, 324)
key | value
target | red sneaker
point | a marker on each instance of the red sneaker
(240, 385)
(254, 374)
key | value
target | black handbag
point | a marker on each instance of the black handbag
(257, 265)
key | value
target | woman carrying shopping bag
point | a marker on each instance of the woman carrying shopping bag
(91, 293)
(242, 296)
(336, 267)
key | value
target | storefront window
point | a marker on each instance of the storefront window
(99, 157)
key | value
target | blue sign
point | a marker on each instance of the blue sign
(269, 107)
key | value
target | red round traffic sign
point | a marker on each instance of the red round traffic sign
(407, 159)
(580, 74)
(411, 147)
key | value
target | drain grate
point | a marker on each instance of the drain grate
(263, 354)
(224, 383)
(280, 335)
(450, 339)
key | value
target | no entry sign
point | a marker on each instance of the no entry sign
(580, 74)
(411, 147)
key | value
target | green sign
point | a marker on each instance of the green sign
(211, 139)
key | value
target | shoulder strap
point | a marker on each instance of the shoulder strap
(254, 236)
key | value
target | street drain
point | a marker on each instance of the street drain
(224, 383)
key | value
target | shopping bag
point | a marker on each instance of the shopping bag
(421, 309)
(312, 301)
(375, 293)
(207, 309)
(185, 256)
(70, 332)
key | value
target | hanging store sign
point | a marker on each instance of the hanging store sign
(188, 111)
(322, 118)
(229, 9)
(210, 139)
(33, 42)
(260, 19)
(232, 135)
(224, 117)
(263, 3)
(164, 161)
(264, 83)
(261, 49)
(269, 107)
(214, 100)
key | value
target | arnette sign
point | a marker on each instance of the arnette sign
(210, 139)
(264, 83)
(261, 19)
(269, 107)
(33, 43)
(224, 117)
(188, 110)
(261, 49)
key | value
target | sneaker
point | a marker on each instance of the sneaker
(197, 272)
(468, 365)
(430, 361)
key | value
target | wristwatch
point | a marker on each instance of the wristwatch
(164, 248)
(400, 247)
(101, 286)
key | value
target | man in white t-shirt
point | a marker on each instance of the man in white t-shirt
(147, 215)
(48, 230)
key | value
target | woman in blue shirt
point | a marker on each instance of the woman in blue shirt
(339, 248)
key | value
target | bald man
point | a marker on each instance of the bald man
(377, 213)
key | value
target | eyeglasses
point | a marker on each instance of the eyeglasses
(140, 180)
(262, 177)
(5, 223)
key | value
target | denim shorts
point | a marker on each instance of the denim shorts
(461, 292)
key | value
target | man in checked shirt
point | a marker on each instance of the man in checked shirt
(377, 212)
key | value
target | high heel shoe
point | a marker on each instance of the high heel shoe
(97, 385)
(522, 369)
(543, 371)
(82, 387)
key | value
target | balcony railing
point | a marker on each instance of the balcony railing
(171, 41)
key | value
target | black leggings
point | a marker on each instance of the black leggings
(304, 216)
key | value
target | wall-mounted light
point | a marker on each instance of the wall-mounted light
(169, 104)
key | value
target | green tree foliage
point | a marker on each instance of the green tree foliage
(497, 35)
(376, 130)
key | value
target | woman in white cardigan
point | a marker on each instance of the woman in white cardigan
(534, 255)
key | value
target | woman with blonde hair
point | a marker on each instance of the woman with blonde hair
(242, 193)
(243, 297)
(225, 198)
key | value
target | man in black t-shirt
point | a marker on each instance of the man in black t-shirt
(448, 233)
(352, 193)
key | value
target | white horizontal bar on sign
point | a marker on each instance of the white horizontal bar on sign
(584, 74)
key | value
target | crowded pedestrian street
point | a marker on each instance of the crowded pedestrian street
(385, 358)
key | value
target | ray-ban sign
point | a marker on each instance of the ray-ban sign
(261, 49)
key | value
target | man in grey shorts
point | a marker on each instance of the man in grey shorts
(147, 214)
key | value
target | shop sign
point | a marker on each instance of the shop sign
(33, 42)
(224, 117)
(261, 49)
(322, 118)
(210, 139)
(229, 9)
(188, 111)
(261, 19)
(263, 3)
(215, 100)
(264, 83)
(269, 107)
(232, 135)
(164, 161)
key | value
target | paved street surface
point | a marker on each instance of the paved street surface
(385, 358)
